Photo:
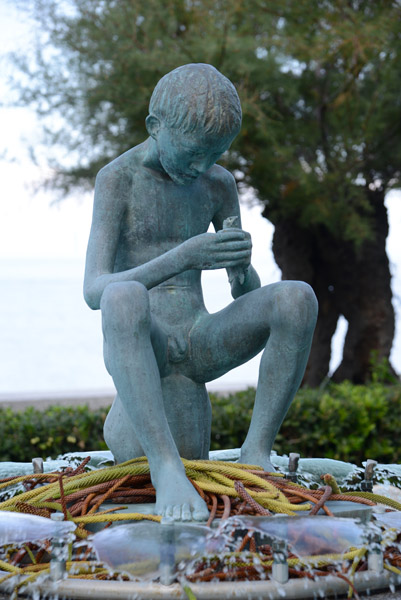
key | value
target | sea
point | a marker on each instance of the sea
(50, 341)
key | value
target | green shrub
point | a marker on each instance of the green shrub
(58, 429)
(342, 421)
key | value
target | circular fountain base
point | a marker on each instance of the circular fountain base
(254, 590)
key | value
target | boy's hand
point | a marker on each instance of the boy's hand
(221, 250)
(236, 275)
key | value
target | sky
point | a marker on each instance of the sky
(32, 226)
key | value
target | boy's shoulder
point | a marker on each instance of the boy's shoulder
(218, 175)
(124, 166)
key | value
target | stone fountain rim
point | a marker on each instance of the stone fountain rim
(252, 590)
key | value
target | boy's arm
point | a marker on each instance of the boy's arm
(230, 208)
(112, 190)
(204, 251)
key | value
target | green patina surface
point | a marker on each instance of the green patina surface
(148, 245)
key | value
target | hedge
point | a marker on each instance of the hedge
(341, 421)
(344, 421)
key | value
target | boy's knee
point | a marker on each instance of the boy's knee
(124, 304)
(295, 305)
(305, 299)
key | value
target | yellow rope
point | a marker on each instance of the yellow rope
(212, 476)
(376, 498)
(22, 478)
(9, 576)
(320, 560)
(272, 498)
(35, 568)
(30, 554)
(134, 467)
(332, 482)
(80, 569)
(86, 480)
(357, 559)
(392, 569)
(285, 507)
(216, 477)
(234, 465)
(223, 479)
(88, 575)
(75, 483)
(236, 473)
(116, 517)
(5, 566)
(84, 573)
(30, 579)
(277, 504)
(208, 485)
(23, 497)
(82, 563)
(133, 461)
(51, 505)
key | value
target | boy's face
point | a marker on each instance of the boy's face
(185, 156)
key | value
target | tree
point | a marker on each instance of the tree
(319, 84)
(337, 155)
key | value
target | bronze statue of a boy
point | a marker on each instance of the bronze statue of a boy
(147, 249)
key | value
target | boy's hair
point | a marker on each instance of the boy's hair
(197, 96)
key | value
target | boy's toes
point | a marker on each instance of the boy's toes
(200, 512)
(177, 512)
(186, 514)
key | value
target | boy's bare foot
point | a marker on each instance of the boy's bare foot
(176, 497)
(255, 457)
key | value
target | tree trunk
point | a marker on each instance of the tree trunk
(349, 282)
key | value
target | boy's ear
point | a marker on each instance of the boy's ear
(152, 125)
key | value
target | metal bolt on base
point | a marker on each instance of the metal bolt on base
(293, 467)
(375, 553)
(57, 561)
(167, 551)
(37, 464)
(367, 483)
(280, 564)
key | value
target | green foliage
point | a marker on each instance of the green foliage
(231, 417)
(56, 430)
(345, 422)
(319, 84)
(342, 421)
(381, 370)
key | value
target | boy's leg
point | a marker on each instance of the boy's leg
(131, 361)
(119, 433)
(189, 415)
(279, 318)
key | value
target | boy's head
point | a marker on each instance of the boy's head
(197, 98)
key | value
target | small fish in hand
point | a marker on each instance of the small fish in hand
(234, 272)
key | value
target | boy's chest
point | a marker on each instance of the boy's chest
(160, 211)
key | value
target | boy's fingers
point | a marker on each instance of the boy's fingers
(236, 246)
(225, 235)
(233, 256)
(232, 263)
